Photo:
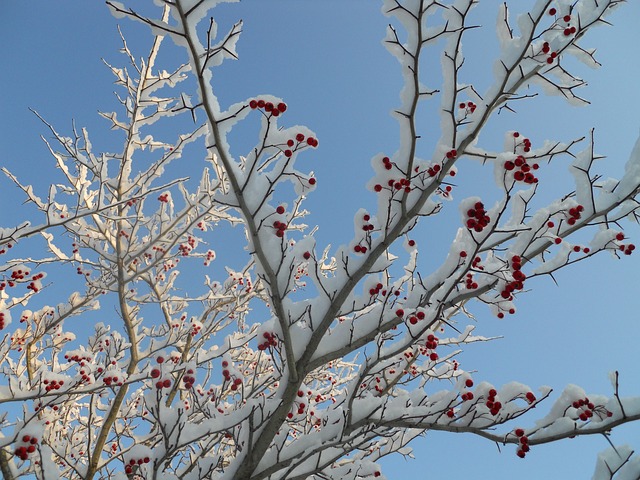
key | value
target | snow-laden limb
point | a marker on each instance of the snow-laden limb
(297, 364)
(617, 462)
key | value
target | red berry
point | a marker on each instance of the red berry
(282, 107)
(280, 209)
(552, 11)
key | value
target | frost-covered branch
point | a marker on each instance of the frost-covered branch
(301, 361)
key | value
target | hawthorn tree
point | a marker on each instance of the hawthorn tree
(306, 361)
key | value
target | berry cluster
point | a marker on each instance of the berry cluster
(569, 29)
(404, 184)
(575, 214)
(235, 382)
(400, 184)
(586, 409)
(379, 288)
(578, 248)
(471, 285)
(467, 396)
(26, 445)
(522, 169)
(360, 248)
(166, 383)
(279, 228)
(367, 227)
(451, 154)
(546, 50)
(478, 218)
(186, 248)
(211, 255)
(3, 319)
(413, 319)
(476, 261)
(433, 171)
(268, 107)
(164, 198)
(52, 384)
(270, 340)
(78, 356)
(492, 404)
(524, 144)
(432, 344)
(19, 274)
(301, 405)
(469, 107)
(300, 138)
(156, 373)
(518, 279)
(110, 380)
(196, 326)
(626, 249)
(524, 442)
(189, 379)
(128, 468)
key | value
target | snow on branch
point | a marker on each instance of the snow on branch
(300, 360)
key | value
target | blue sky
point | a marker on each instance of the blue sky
(326, 60)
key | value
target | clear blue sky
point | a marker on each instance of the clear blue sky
(326, 60)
